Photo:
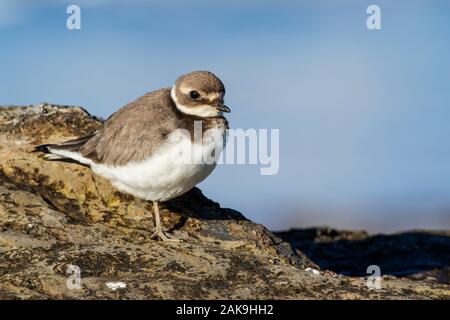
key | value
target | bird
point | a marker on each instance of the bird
(154, 147)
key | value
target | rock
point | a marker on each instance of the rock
(58, 220)
(420, 255)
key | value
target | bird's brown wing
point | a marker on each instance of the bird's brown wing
(71, 145)
(134, 132)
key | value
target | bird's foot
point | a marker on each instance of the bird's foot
(159, 234)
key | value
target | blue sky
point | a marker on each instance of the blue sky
(363, 115)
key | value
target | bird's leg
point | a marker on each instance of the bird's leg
(159, 233)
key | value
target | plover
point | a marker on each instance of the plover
(137, 150)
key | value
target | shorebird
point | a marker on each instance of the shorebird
(137, 149)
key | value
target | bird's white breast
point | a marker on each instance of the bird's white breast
(173, 170)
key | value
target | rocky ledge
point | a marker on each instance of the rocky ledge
(416, 254)
(56, 217)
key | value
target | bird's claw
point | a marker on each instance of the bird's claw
(159, 234)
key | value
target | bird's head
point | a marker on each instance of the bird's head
(199, 93)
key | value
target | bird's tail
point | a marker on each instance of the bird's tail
(61, 151)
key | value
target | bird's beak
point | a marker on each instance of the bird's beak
(222, 108)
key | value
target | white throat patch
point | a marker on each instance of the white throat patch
(203, 111)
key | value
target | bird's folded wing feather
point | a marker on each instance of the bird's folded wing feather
(133, 133)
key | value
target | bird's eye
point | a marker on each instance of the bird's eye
(194, 94)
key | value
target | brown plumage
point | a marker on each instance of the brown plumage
(130, 134)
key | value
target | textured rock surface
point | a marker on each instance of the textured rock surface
(415, 254)
(56, 214)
